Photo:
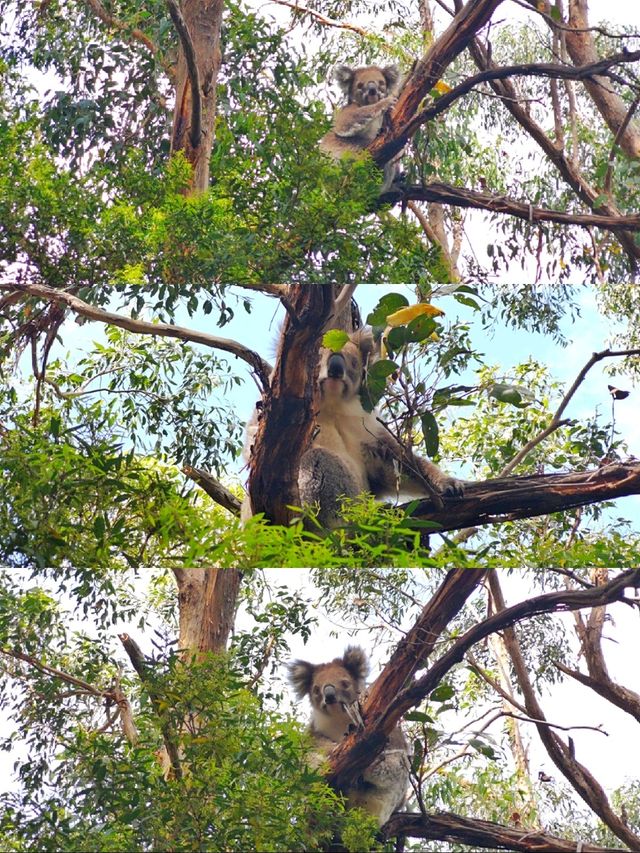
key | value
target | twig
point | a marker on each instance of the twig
(327, 22)
(556, 419)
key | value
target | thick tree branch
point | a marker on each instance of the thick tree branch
(445, 826)
(437, 191)
(195, 129)
(258, 365)
(359, 750)
(532, 69)
(495, 501)
(426, 73)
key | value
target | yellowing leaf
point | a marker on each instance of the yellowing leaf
(442, 87)
(406, 315)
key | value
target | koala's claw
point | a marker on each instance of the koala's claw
(451, 487)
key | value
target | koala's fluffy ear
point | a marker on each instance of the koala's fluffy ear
(355, 661)
(392, 76)
(363, 339)
(301, 677)
(343, 75)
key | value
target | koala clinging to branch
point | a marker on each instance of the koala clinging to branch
(352, 451)
(333, 689)
(370, 92)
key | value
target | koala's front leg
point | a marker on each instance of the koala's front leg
(352, 120)
(442, 482)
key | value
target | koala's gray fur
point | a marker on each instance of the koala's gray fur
(371, 91)
(352, 451)
(333, 689)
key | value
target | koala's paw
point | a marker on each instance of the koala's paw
(389, 101)
(451, 487)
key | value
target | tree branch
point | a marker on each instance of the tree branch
(321, 19)
(532, 69)
(111, 21)
(556, 420)
(509, 498)
(442, 193)
(259, 366)
(562, 755)
(425, 74)
(216, 491)
(188, 49)
(445, 826)
(565, 166)
(139, 663)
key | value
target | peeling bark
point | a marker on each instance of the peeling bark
(203, 20)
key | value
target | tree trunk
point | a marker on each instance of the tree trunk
(207, 605)
(199, 59)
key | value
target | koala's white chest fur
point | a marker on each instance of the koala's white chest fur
(344, 428)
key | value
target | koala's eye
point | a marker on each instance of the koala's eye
(316, 689)
(360, 85)
(344, 683)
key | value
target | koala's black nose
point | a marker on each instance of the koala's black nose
(335, 366)
(330, 694)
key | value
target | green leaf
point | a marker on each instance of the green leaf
(334, 339)
(430, 433)
(387, 305)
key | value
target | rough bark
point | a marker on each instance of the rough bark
(495, 501)
(193, 129)
(445, 826)
(287, 419)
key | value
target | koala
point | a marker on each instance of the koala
(370, 92)
(334, 689)
(352, 451)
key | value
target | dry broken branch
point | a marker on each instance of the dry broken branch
(216, 491)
